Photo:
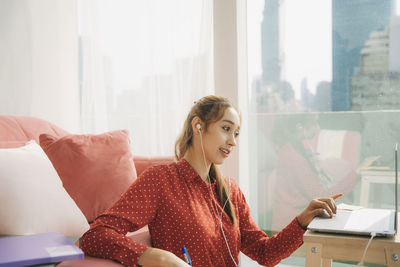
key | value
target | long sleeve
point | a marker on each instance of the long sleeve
(256, 244)
(136, 207)
(179, 208)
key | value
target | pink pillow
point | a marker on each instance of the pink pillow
(24, 129)
(90, 262)
(95, 169)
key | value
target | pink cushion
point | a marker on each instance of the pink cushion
(95, 169)
(15, 131)
(89, 262)
(142, 162)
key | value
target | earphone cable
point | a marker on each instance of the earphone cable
(215, 202)
(373, 234)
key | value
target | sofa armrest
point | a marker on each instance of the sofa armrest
(142, 163)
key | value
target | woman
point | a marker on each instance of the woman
(188, 204)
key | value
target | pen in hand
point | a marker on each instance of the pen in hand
(186, 256)
(337, 196)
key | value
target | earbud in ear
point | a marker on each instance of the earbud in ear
(198, 126)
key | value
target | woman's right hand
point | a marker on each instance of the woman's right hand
(154, 257)
(317, 207)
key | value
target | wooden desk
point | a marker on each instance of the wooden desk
(322, 248)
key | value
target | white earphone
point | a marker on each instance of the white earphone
(198, 126)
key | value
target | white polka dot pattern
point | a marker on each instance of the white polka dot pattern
(177, 206)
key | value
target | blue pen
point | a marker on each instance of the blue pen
(186, 256)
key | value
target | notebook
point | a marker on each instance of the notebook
(37, 249)
(382, 222)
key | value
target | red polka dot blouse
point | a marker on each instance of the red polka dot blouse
(180, 212)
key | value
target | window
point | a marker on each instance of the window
(324, 86)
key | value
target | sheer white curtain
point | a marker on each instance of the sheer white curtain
(39, 60)
(93, 81)
(143, 63)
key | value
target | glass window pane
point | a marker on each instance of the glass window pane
(324, 81)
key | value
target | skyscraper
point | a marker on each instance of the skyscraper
(352, 23)
(375, 85)
(270, 43)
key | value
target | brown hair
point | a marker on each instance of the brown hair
(209, 109)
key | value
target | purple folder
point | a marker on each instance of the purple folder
(37, 249)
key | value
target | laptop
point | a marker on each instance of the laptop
(365, 221)
(37, 249)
